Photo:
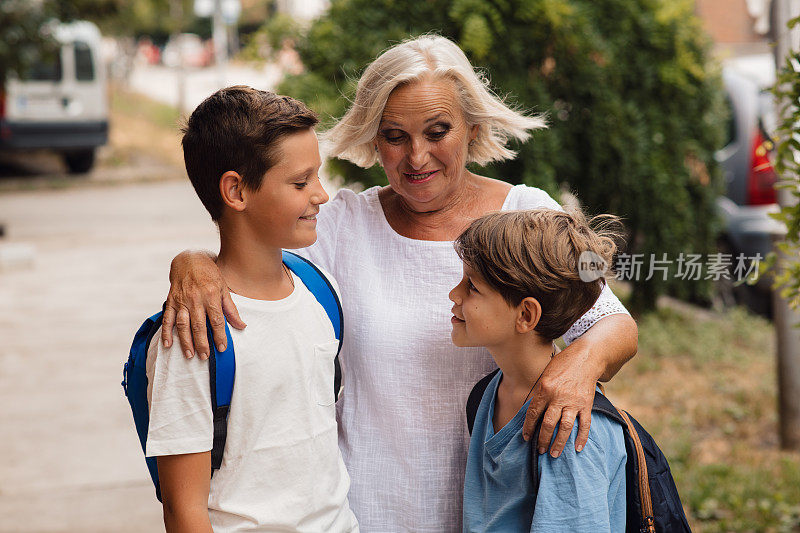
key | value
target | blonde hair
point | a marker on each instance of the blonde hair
(538, 253)
(351, 138)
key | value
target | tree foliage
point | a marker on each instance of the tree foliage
(635, 108)
(787, 90)
(23, 36)
(127, 17)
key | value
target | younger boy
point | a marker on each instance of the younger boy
(253, 159)
(521, 290)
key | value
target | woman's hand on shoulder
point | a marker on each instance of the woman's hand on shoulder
(566, 388)
(197, 292)
(564, 392)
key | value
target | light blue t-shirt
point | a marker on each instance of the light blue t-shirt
(578, 492)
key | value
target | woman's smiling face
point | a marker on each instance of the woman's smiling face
(422, 142)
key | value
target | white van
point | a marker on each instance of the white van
(62, 105)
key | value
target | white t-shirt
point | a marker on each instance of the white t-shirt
(281, 469)
(402, 424)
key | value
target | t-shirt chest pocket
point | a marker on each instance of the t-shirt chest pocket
(323, 371)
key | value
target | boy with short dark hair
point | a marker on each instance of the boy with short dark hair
(521, 290)
(253, 159)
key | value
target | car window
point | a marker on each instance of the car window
(47, 68)
(731, 126)
(766, 111)
(84, 66)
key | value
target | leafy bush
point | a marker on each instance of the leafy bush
(636, 111)
(787, 90)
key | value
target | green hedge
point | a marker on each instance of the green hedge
(635, 107)
(786, 269)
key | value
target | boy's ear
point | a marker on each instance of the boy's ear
(231, 189)
(530, 312)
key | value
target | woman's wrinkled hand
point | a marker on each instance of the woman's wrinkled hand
(197, 292)
(564, 392)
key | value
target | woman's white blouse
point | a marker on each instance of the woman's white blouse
(402, 423)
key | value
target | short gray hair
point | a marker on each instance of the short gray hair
(351, 138)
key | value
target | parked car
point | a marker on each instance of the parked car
(746, 161)
(62, 103)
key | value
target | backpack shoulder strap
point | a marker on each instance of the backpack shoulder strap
(634, 447)
(475, 397)
(221, 371)
(604, 405)
(319, 285)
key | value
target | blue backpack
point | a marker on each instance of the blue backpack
(222, 365)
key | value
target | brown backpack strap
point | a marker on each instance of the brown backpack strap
(644, 483)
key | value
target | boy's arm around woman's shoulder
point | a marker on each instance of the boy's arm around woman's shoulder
(584, 492)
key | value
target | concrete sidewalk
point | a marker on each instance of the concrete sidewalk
(72, 461)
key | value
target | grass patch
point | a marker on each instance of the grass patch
(134, 104)
(760, 495)
(143, 131)
(732, 340)
(704, 385)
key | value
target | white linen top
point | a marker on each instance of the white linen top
(402, 423)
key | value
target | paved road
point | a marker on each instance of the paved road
(71, 457)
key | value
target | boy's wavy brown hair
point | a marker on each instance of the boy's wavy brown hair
(238, 128)
(536, 253)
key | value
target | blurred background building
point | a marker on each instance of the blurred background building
(302, 10)
(738, 27)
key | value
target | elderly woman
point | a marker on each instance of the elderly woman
(422, 113)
